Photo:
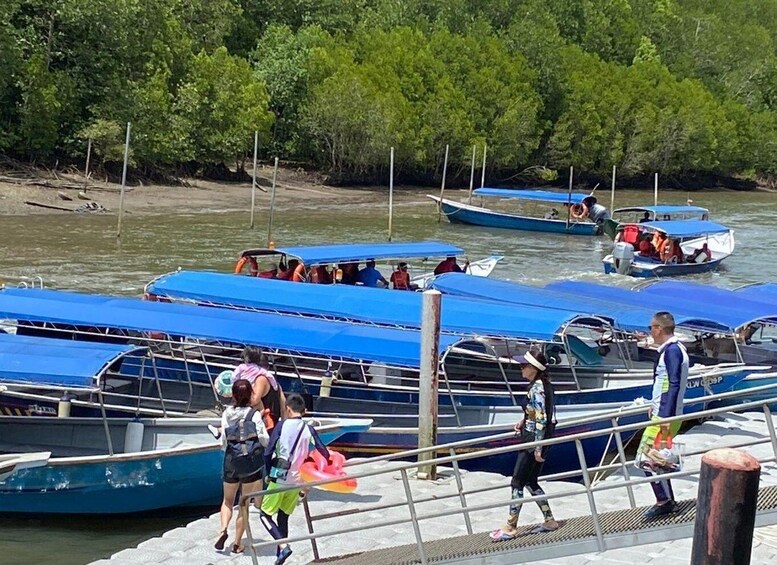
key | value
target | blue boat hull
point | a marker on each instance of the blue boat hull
(647, 269)
(488, 218)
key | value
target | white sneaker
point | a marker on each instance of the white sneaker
(214, 430)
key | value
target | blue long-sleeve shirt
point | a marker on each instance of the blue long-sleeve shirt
(670, 378)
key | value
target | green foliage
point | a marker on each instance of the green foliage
(674, 86)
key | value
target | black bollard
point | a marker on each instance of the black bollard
(725, 508)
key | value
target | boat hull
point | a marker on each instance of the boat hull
(458, 213)
(653, 269)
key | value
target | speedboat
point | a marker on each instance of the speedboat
(583, 216)
(704, 246)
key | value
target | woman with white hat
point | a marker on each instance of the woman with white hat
(537, 424)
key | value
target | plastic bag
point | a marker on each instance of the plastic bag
(663, 457)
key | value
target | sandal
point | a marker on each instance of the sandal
(236, 548)
(501, 535)
(219, 545)
(543, 528)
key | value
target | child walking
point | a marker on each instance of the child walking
(287, 449)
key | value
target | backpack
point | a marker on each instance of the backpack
(243, 446)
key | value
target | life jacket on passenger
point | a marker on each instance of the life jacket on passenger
(630, 234)
(401, 280)
(243, 446)
(299, 273)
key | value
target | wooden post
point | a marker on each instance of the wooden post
(483, 174)
(88, 158)
(253, 179)
(428, 385)
(655, 191)
(123, 179)
(569, 194)
(612, 191)
(472, 175)
(725, 508)
(272, 203)
(442, 186)
(391, 195)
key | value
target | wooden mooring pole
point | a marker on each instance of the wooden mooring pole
(725, 508)
(429, 383)
(123, 179)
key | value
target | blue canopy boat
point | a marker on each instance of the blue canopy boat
(105, 465)
(693, 237)
(377, 366)
(584, 216)
(338, 255)
(663, 212)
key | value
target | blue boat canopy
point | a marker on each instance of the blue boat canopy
(348, 253)
(628, 318)
(762, 291)
(686, 228)
(706, 296)
(665, 209)
(464, 317)
(394, 347)
(537, 195)
(728, 318)
(38, 361)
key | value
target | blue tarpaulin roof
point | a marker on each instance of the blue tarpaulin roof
(630, 318)
(765, 291)
(55, 362)
(538, 195)
(729, 318)
(344, 253)
(665, 209)
(706, 296)
(297, 335)
(378, 306)
(686, 228)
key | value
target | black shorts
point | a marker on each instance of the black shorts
(236, 471)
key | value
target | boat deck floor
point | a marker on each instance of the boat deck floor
(621, 528)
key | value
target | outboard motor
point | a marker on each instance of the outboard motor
(623, 257)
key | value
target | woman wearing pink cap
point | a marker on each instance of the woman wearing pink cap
(537, 424)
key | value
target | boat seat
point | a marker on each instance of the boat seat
(582, 352)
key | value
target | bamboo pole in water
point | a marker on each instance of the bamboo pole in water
(472, 174)
(612, 191)
(272, 203)
(391, 195)
(442, 186)
(655, 191)
(483, 174)
(88, 159)
(253, 180)
(123, 179)
(569, 194)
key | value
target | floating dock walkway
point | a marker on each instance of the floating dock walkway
(373, 525)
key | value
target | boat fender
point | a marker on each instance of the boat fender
(63, 407)
(317, 468)
(253, 265)
(133, 436)
(326, 384)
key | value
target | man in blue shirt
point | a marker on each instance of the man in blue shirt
(670, 378)
(370, 276)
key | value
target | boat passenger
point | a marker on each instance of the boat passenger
(400, 278)
(284, 272)
(321, 275)
(537, 424)
(659, 243)
(645, 218)
(244, 437)
(349, 273)
(672, 252)
(267, 395)
(702, 255)
(646, 248)
(670, 378)
(449, 265)
(370, 276)
(596, 212)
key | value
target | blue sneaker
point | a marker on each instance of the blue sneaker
(283, 555)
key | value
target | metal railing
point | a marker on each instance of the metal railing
(589, 487)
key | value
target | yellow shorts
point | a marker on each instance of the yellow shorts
(285, 501)
(650, 433)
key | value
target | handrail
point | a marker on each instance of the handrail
(589, 489)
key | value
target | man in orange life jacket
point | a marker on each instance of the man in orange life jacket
(449, 265)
